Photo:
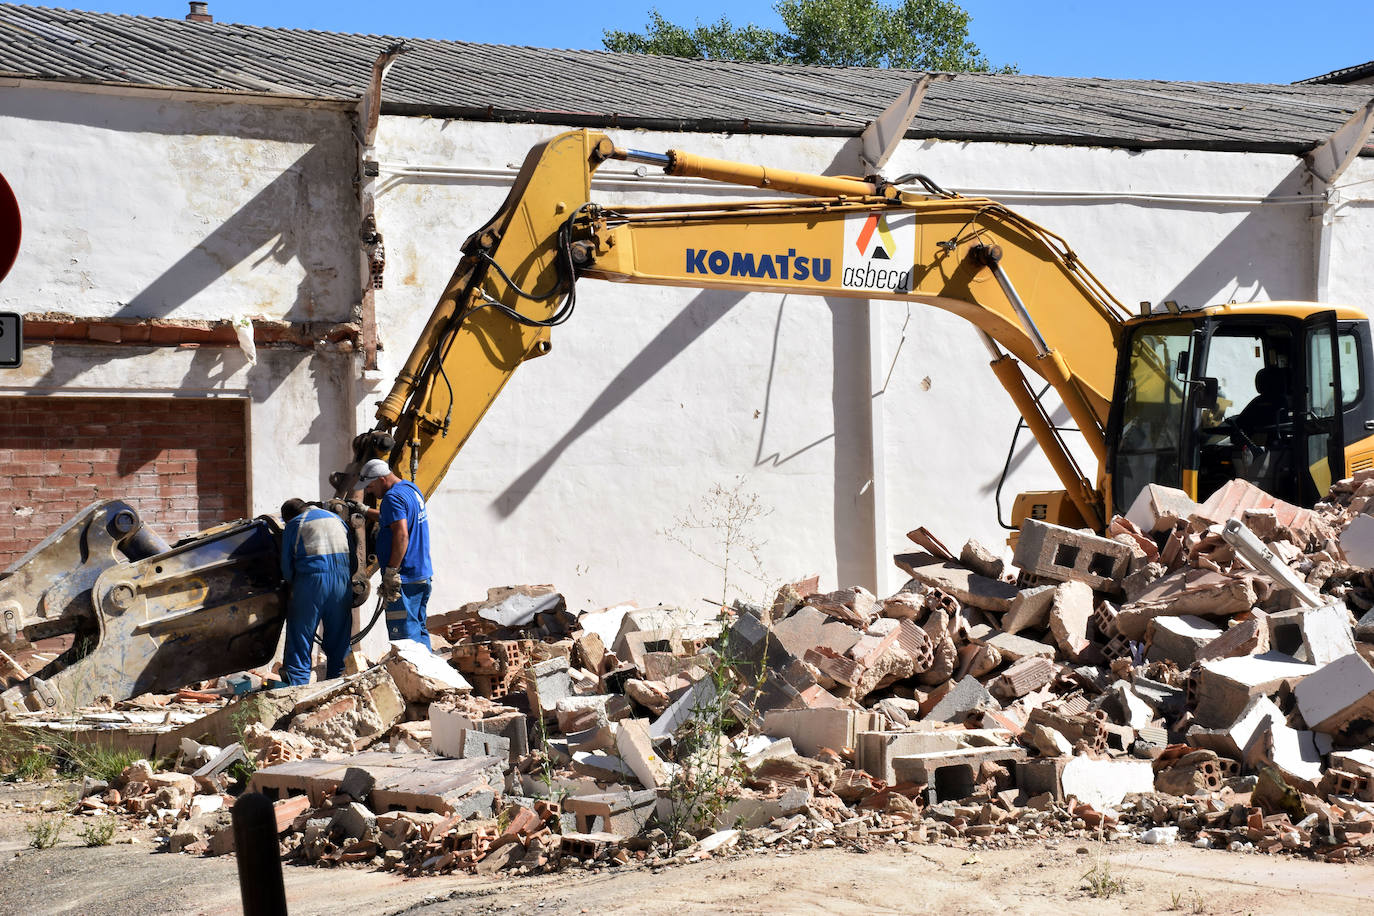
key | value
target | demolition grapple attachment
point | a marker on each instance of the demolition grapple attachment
(143, 617)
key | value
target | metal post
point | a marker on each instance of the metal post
(259, 857)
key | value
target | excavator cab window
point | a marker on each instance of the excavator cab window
(1264, 398)
(1250, 431)
(1151, 422)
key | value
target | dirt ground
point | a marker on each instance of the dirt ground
(131, 878)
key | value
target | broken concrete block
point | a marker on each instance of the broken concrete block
(1179, 639)
(954, 774)
(697, 700)
(635, 645)
(875, 752)
(517, 606)
(546, 683)
(964, 698)
(1015, 648)
(420, 675)
(1137, 714)
(1159, 508)
(351, 712)
(1236, 740)
(810, 628)
(1030, 607)
(601, 767)
(982, 560)
(1219, 690)
(1294, 753)
(661, 617)
(967, 587)
(1357, 541)
(354, 821)
(1245, 637)
(455, 734)
(853, 606)
(1104, 783)
(1337, 694)
(1189, 591)
(357, 784)
(636, 748)
(1063, 555)
(624, 813)
(813, 729)
(1048, 741)
(1071, 613)
(1315, 635)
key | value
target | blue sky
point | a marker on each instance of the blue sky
(1263, 41)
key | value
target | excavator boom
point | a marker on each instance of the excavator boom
(1020, 285)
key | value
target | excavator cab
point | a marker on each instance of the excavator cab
(1271, 394)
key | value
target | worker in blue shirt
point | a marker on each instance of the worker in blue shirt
(314, 561)
(402, 550)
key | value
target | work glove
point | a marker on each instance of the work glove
(391, 584)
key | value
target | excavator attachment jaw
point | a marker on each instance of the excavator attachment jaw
(141, 616)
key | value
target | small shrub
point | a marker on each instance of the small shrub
(46, 831)
(99, 832)
(1100, 883)
(97, 762)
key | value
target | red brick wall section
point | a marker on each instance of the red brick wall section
(181, 462)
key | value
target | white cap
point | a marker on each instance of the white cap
(375, 469)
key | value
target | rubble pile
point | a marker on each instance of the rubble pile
(1197, 674)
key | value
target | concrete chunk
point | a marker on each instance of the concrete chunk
(1220, 690)
(1062, 554)
(965, 697)
(1316, 635)
(1338, 693)
(1179, 639)
(1071, 612)
(1104, 783)
(967, 587)
(1029, 608)
(1189, 591)
(812, 729)
(420, 675)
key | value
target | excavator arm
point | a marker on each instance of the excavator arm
(1031, 298)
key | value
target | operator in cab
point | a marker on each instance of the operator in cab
(402, 550)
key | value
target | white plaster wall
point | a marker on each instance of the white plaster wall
(652, 397)
(153, 207)
(1351, 280)
(587, 470)
(163, 207)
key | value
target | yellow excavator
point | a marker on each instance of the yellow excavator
(1151, 393)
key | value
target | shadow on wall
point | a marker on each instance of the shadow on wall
(1232, 263)
(706, 308)
(853, 499)
(255, 225)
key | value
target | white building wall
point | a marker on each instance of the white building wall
(653, 397)
(164, 206)
(588, 470)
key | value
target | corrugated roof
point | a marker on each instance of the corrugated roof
(601, 88)
(1344, 75)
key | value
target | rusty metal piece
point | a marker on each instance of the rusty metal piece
(141, 621)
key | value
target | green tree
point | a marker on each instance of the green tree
(915, 35)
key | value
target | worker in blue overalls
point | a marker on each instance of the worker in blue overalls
(315, 563)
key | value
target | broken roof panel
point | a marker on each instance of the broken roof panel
(601, 88)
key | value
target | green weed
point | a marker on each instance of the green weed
(100, 831)
(46, 831)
